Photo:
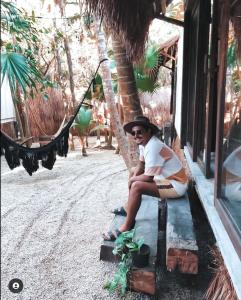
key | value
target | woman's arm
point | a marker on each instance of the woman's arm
(140, 168)
(142, 177)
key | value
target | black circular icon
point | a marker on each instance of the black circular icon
(15, 285)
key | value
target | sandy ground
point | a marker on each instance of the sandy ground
(52, 224)
(51, 231)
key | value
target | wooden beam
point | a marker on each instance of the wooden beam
(25, 140)
(143, 281)
(181, 245)
(170, 20)
(183, 260)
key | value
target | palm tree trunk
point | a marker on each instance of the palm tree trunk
(70, 68)
(58, 60)
(28, 132)
(110, 97)
(68, 55)
(19, 121)
(106, 136)
(109, 140)
(23, 116)
(58, 74)
(98, 137)
(128, 91)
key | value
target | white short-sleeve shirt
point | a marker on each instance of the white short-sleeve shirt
(161, 167)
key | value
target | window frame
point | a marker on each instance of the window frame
(215, 101)
(196, 102)
(223, 212)
(211, 100)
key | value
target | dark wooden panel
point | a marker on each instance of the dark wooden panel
(222, 51)
(212, 94)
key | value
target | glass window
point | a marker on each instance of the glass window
(231, 168)
(196, 40)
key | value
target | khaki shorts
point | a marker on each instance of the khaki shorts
(166, 190)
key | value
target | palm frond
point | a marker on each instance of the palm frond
(151, 57)
(19, 70)
(16, 23)
(12, 21)
(150, 65)
(146, 84)
(147, 70)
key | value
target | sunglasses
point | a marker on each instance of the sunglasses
(137, 132)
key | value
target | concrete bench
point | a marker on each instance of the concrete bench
(144, 279)
(181, 245)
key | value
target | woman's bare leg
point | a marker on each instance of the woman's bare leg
(132, 172)
(137, 189)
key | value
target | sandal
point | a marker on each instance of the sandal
(120, 211)
(111, 235)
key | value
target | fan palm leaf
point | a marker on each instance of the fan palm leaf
(151, 57)
(146, 72)
(145, 83)
(19, 70)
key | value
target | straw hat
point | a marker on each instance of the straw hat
(140, 121)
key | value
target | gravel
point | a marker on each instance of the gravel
(52, 224)
(51, 231)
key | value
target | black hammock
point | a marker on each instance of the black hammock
(47, 154)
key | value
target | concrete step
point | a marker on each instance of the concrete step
(142, 279)
(146, 227)
(181, 245)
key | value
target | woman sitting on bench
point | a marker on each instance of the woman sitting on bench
(159, 173)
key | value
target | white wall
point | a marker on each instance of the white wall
(7, 106)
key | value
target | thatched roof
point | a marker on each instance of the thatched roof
(46, 116)
(129, 19)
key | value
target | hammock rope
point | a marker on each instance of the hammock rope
(30, 157)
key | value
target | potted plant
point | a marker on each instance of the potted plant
(125, 247)
(140, 259)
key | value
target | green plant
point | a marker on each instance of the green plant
(82, 120)
(125, 245)
(145, 72)
(19, 70)
(20, 52)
